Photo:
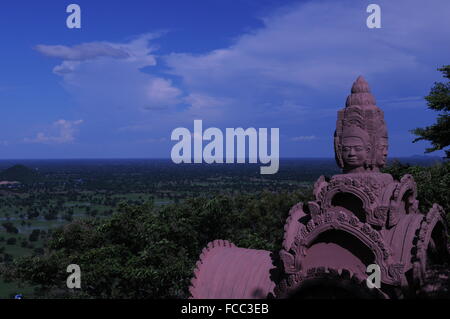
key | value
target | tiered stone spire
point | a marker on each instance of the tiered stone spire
(361, 133)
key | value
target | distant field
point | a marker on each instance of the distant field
(16, 216)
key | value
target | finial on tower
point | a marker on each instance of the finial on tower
(360, 85)
(360, 94)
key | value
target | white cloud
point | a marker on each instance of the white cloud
(206, 106)
(83, 52)
(295, 70)
(66, 67)
(136, 54)
(108, 75)
(316, 44)
(161, 93)
(316, 47)
(63, 131)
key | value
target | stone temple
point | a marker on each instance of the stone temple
(358, 218)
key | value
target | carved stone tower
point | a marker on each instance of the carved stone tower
(359, 218)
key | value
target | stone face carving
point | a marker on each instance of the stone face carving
(355, 149)
(358, 218)
(361, 140)
(381, 149)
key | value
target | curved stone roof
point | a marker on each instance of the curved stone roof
(226, 271)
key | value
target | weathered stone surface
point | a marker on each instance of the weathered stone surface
(361, 140)
(358, 218)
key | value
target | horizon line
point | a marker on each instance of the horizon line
(168, 158)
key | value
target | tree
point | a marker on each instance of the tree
(438, 100)
(10, 228)
(11, 241)
(144, 251)
(34, 236)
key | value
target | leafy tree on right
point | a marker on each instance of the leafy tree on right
(438, 100)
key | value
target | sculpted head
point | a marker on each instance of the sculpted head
(382, 151)
(360, 140)
(355, 149)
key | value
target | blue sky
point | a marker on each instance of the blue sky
(136, 70)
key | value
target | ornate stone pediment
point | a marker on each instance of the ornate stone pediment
(359, 218)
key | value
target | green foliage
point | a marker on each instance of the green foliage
(20, 173)
(438, 100)
(148, 252)
(11, 241)
(433, 183)
(10, 228)
(34, 236)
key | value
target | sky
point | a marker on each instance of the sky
(136, 70)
